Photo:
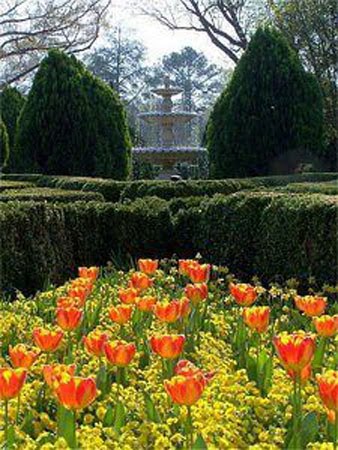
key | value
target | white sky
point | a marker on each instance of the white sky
(157, 38)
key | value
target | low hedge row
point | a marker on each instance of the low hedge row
(264, 234)
(48, 195)
(328, 188)
(115, 191)
(7, 185)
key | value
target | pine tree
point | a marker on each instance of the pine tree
(72, 123)
(271, 106)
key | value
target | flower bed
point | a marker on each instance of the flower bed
(252, 380)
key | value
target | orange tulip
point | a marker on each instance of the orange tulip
(185, 390)
(22, 357)
(168, 311)
(75, 393)
(146, 303)
(167, 346)
(184, 264)
(244, 294)
(69, 302)
(89, 272)
(121, 314)
(80, 292)
(11, 382)
(53, 373)
(184, 307)
(69, 318)
(326, 326)
(46, 340)
(304, 374)
(141, 281)
(148, 266)
(328, 389)
(257, 318)
(295, 350)
(119, 353)
(199, 273)
(196, 292)
(128, 296)
(186, 368)
(311, 305)
(94, 342)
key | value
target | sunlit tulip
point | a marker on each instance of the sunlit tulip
(94, 342)
(184, 264)
(22, 357)
(119, 353)
(244, 294)
(89, 272)
(128, 296)
(53, 373)
(167, 346)
(257, 318)
(80, 292)
(185, 307)
(168, 311)
(141, 281)
(75, 393)
(326, 326)
(328, 389)
(69, 318)
(121, 314)
(69, 302)
(47, 340)
(196, 292)
(304, 375)
(186, 368)
(199, 273)
(311, 305)
(146, 303)
(295, 350)
(11, 382)
(148, 266)
(185, 390)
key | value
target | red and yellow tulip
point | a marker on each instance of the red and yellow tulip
(167, 346)
(295, 350)
(47, 340)
(243, 293)
(69, 319)
(121, 314)
(257, 318)
(148, 266)
(311, 305)
(119, 353)
(22, 357)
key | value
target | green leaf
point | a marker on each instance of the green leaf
(27, 424)
(251, 368)
(108, 419)
(11, 436)
(152, 413)
(120, 417)
(199, 444)
(310, 428)
(66, 425)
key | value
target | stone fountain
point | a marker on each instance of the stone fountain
(169, 149)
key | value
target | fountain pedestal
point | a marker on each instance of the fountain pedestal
(167, 154)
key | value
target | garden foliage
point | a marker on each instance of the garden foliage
(4, 144)
(72, 123)
(271, 107)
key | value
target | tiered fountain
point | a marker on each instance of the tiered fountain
(169, 150)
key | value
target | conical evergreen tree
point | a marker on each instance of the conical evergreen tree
(72, 123)
(4, 145)
(11, 104)
(271, 106)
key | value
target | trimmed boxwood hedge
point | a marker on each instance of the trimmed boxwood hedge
(48, 195)
(115, 191)
(265, 234)
(7, 185)
(328, 188)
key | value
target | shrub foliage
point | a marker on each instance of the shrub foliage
(72, 123)
(270, 107)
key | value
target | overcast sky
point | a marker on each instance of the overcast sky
(158, 39)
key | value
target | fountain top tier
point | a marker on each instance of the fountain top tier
(165, 116)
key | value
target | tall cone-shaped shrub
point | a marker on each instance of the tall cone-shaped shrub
(11, 104)
(270, 107)
(72, 123)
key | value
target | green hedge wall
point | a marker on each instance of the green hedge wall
(48, 195)
(7, 185)
(265, 234)
(115, 191)
(328, 188)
